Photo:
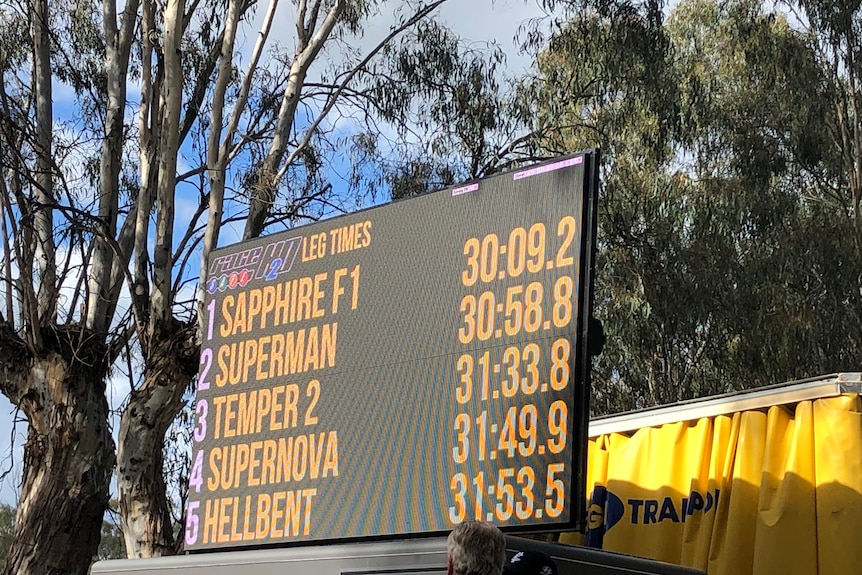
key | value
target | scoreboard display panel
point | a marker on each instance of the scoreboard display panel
(401, 369)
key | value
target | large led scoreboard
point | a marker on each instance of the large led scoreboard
(398, 370)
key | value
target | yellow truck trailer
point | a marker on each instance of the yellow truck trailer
(761, 482)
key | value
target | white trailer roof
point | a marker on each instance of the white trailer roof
(763, 397)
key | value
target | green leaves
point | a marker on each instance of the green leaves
(726, 236)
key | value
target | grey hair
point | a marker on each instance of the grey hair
(477, 548)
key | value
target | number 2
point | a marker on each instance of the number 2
(566, 228)
(206, 361)
(312, 391)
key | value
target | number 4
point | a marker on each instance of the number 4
(196, 477)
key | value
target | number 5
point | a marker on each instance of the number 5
(554, 507)
(192, 522)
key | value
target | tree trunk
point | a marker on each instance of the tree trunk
(43, 220)
(311, 41)
(69, 453)
(145, 511)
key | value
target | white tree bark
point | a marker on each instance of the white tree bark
(171, 105)
(148, 134)
(43, 224)
(145, 512)
(218, 151)
(102, 287)
(310, 42)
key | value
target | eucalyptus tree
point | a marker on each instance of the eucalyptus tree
(765, 113)
(602, 79)
(605, 79)
(718, 267)
(162, 111)
(54, 368)
(833, 32)
(462, 120)
(253, 117)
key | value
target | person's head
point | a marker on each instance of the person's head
(530, 563)
(476, 548)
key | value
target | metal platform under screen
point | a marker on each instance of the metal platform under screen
(404, 557)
